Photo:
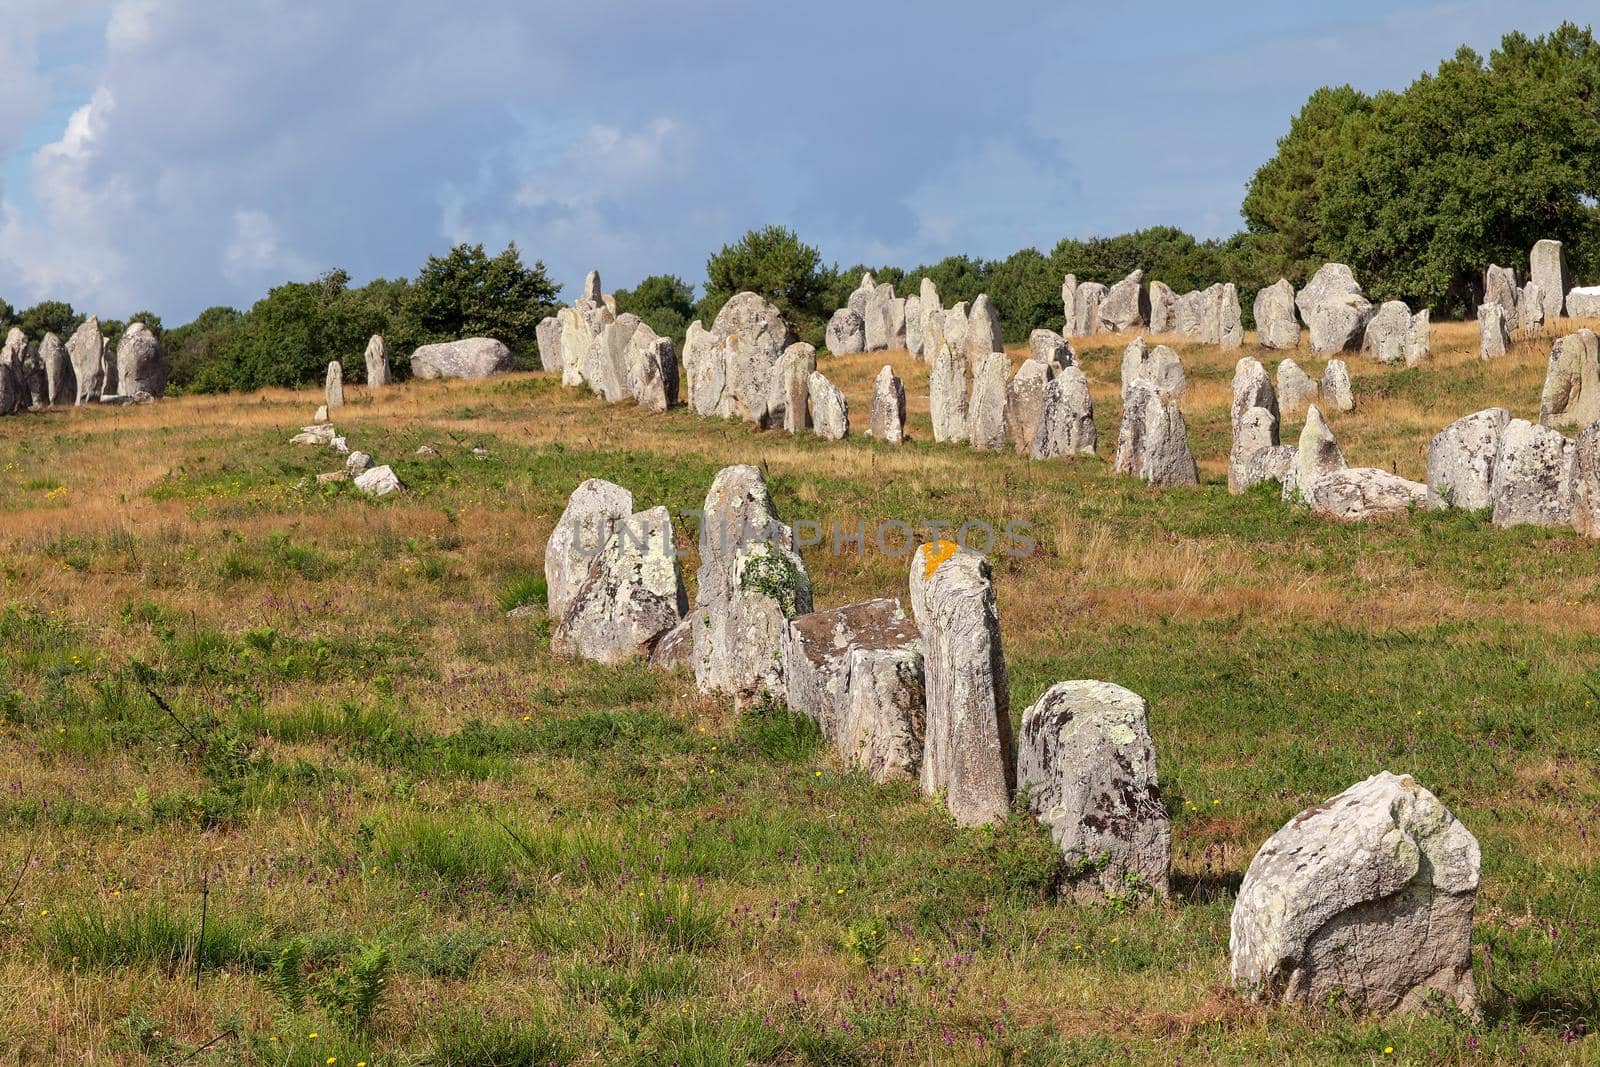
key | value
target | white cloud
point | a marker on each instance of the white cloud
(257, 250)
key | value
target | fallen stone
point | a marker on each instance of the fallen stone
(888, 415)
(1087, 764)
(1357, 493)
(591, 516)
(1461, 460)
(631, 597)
(1274, 463)
(830, 413)
(469, 359)
(320, 434)
(378, 481)
(329, 477)
(675, 648)
(357, 462)
(1532, 481)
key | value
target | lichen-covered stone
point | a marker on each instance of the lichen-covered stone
(1571, 393)
(1357, 493)
(1253, 416)
(1051, 349)
(547, 337)
(887, 421)
(333, 385)
(141, 362)
(947, 393)
(1025, 403)
(1494, 331)
(1337, 392)
(983, 329)
(1333, 308)
(986, 415)
(1274, 463)
(652, 371)
(1163, 308)
(1317, 454)
(817, 670)
(1366, 899)
(705, 370)
(1500, 287)
(753, 338)
(471, 358)
(631, 597)
(1386, 332)
(1153, 442)
(830, 413)
(61, 387)
(1585, 480)
(1547, 265)
(1461, 460)
(1086, 309)
(1087, 764)
(1276, 325)
(590, 518)
(1532, 476)
(1066, 418)
(1296, 388)
(1125, 305)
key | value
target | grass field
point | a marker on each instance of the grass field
(418, 836)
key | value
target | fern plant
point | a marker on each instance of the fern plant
(285, 977)
(355, 990)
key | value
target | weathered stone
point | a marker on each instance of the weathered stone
(1162, 368)
(1336, 390)
(983, 330)
(1532, 481)
(986, 415)
(1211, 314)
(333, 385)
(1419, 338)
(857, 300)
(357, 462)
(591, 287)
(1231, 324)
(1125, 305)
(847, 333)
(817, 650)
(1025, 403)
(1333, 308)
(591, 516)
(1087, 764)
(888, 415)
(1548, 270)
(1461, 460)
(13, 393)
(1584, 303)
(320, 434)
(897, 325)
(1356, 493)
(1276, 325)
(1153, 442)
(581, 324)
(1585, 479)
(1086, 309)
(141, 363)
(1500, 287)
(928, 295)
(932, 329)
(1135, 354)
(1163, 308)
(631, 597)
(1296, 388)
(1571, 394)
(754, 336)
(36, 379)
(62, 387)
(86, 350)
(879, 319)
(947, 394)
(1317, 454)
(706, 369)
(652, 371)
(1253, 416)
(1385, 337)
(751, 582)
(1530, 309)
(1275, 463)
(792, 380)
(1366, 899)
(956, 325)
(830, 412)
(1066, 418)
(376, 358)
(1189, 314)
(967, 755)
(330, 477)
(547, 335)
(378, 481)
(606, 367)
(911, 308)
(1051, 349)
(1494, 331)
(1069, 305)
(472, 358)
(675, 648)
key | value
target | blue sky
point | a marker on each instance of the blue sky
(174, 154)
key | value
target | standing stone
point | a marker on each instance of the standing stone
(1069, 305)
(888, 415)
(377, 355)
(912, 313)
(1317, 454)
(754, 336)
(1231, 324)
(36, 379)
(547, 335)
(1153, 443)
(1086, 309)
(967, 755)
(819, 674)
(1385, 337)
(1276, 325)
(1066, 418)
(1336, 390)
(141, 364)
(932, 329)
(947, 394)
(63, 387)
(1296, 388)
(591, 516)
(792, 380)
(1051, 349)
(1087, 764)
(928, 296)
(705, 368)
(751, 582)
(1494, 332)
(631, 597)
(1163, 308)
(1333, 308)
(1548, 270)
(1025, 403)
(333, 386)
(1586, 480)
(1419, 338)
(986, 415)
(1461, 460)
(1584, 302)
(897, 325)
(1530, 309)
(983, 329)
(1500, 287)
(830, 414)
(472, 358)
(1532, 481)
(1357, 493)
(1159, 366)
(1125, 305)
(591, 288)
(857, 300)
(1211, 314)
(12, 391)
(1254, 417)
(1367, 898)
(956, 326)
(652, 371)
(1190, 314)
(1571, 394)
(1135, 354)
(86, 349)
(606, 367)
(879, 319)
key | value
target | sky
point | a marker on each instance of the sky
(170, 155)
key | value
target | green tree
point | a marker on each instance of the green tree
(1026, 292)
(49, 316)
(775, 264)
(466, 293)
(957, 278)
(665, 302)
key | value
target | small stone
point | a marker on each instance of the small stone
(330, 477)
(320, 434)
(888, 416)
(675, 648)
(426, 451)
(357, 462)
(378, 481)
(830, 413)
(321, 415)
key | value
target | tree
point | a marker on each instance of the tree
(665, 302)
(775, 264)
(1026, 294)
(49, 316)
(465, 293)
(957, 278)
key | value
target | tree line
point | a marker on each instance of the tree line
(1417, 190)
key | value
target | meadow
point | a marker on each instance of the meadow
(300, 720)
